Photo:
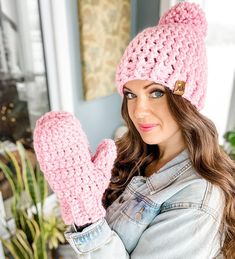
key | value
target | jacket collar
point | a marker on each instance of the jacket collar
(169, 172)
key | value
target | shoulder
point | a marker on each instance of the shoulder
(196, 192)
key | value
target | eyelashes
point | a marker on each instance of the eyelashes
(129, 95)
(155, 94)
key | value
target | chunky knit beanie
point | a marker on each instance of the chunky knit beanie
(172, 54)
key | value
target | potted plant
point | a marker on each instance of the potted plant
(229, 146)
(34, 234)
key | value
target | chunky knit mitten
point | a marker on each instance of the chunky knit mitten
(78, 179)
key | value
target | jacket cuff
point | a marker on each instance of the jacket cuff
(91, 237)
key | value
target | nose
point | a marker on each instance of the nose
(141, 108)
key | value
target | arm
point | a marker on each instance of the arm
(78, 178)
(97, 241)
(177, 233)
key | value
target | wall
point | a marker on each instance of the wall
(231, 116)
(101, 117)
(60, 24)
(144, 15)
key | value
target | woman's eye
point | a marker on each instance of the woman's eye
(157, 94)
(129, 95)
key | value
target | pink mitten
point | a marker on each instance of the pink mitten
(78, 179)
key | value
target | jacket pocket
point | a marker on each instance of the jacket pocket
(140, 211)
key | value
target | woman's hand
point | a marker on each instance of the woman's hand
(78, 179)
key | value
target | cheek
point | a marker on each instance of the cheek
(130, 110)
(163, 114)
(170, 123)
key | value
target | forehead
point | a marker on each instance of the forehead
(141, 84)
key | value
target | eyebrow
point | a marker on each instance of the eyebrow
(145, 87)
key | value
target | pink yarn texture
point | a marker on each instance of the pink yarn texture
(171, 51)
(78, 178)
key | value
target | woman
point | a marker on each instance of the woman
(171, 193)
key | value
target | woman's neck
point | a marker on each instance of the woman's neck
(167, 153)
(163, 159)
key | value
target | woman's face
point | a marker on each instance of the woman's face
(148, 109)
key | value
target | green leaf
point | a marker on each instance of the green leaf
(61, 237)
(42, 184)
(28, 175)
(11, 248)
(26, 225)
(36, 237)
(20, 249)
(31, 181)
(39, 247)
(36, 247)
(22, 220)
(16, 168)
(24, 242)
(9, 175)
(54, 227)
(226, 134)
(16, 195)
(35, 226)
(31, 231)
(231, 139)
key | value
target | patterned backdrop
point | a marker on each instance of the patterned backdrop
(104, 34)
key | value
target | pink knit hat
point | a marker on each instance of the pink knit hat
(173, 54)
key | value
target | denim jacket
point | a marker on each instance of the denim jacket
(173, 214)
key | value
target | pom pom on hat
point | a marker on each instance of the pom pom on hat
(172, 54)
(188, 14)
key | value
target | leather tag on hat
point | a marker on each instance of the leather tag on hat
(179, 87)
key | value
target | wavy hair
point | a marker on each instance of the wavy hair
(207, 157)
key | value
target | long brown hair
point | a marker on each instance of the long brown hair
(208, 158)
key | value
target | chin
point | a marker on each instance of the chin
(150, 141)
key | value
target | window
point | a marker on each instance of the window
(23, 87)
(220, 42)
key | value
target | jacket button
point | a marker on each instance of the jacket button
(139, 214)
(121, 199)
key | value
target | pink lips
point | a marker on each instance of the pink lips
(147, 127)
